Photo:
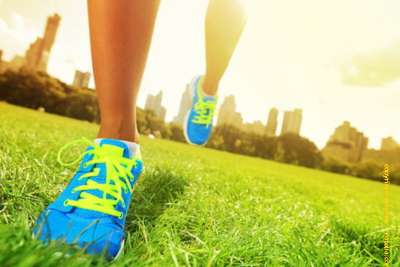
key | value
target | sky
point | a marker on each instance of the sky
(290, 56)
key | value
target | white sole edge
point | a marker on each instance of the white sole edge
(121, 249)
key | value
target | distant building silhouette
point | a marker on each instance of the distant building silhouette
(53, 22)
(256, 127)
(346, 144)
(38, 53)
(292, 121)
(153, 103)
(16, 63)
(272, 122)
(227, 113)
(186, 102)
(81, 79)
(34, 55)
(389, 144)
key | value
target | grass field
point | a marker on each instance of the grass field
(195, 206)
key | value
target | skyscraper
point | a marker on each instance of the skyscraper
(292, 121)
(227, 113)
(153, 103)
(53, 22)
(346, 144)
(186, 102)
(272, 122)
(81, 79)
(38, 53)
(33, 56)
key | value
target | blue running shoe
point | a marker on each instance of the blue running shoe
(199, 119)
(91, 211)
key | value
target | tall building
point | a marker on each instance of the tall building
(81, 79)
(228, 114)
(33, 56)
(346, 144)
(153, 103)
(292, 121)
(53, 22)
(272, 122)
(186, 102)
(38, 53)
(389, 144)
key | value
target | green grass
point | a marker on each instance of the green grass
(195, 206)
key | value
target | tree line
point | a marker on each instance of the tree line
(39, 90)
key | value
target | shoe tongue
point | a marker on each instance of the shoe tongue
(115, 147)
(112, 147)
(208, 98)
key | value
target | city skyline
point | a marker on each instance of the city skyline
(267, 69)
(37, 55)
(346, 143)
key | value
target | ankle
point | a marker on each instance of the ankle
(209, 87)
(123, 136)
(119, 129)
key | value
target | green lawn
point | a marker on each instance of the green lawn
(195, 206)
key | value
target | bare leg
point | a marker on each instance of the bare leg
(121, 33)
(224, 24)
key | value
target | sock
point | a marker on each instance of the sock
(202, 90)
(134, 148)
(207, 95)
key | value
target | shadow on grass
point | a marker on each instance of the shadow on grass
(368, 244)
(157, 189)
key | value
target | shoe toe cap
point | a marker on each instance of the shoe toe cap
(198, 134)
(96, 236)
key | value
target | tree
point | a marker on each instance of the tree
(38, 89)
(299, 150)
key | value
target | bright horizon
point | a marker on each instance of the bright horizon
(289, 57)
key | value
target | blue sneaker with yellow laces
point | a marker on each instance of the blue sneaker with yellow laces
(199, 119)
(91, 211)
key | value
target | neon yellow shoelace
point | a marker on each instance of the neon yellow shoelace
(117, 178)
(204, 110)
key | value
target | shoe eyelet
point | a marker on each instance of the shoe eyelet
(121, 215)
(85, 165)
(66, 203)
